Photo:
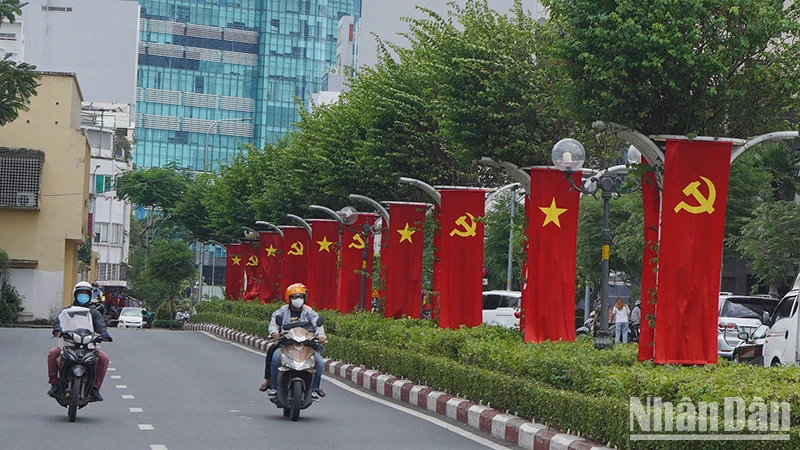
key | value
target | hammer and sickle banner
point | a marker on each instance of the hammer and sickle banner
(651, 201)
(251, 282)
(234, 271)
(348, 293)
(690, 255)
(324, 256)
(461, 267)
(404, 259)
(548, 299)
(296, 247)
(270, 262)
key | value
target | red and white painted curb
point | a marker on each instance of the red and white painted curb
(512, 429)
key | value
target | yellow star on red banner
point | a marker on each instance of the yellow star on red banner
(405, 234)
(271, 251)
(551, 213)
(236, 260)
(325, 244)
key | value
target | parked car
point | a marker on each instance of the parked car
(737, 314)
(751, 348)
(130, 317)
(502, 308)
(782, 345)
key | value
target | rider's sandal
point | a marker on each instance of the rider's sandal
(264, 387)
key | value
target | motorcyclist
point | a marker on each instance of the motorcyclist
(295, 311)
(81, 296)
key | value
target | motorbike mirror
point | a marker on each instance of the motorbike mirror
(320, 321)
(279, 321)
(743, 336)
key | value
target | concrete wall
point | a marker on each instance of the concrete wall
(51, 235)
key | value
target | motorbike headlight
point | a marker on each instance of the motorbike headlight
(87, 339)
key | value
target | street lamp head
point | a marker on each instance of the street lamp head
(349, 215)
(568, 155)
(634, 155)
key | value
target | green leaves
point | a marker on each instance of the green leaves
(770, 241)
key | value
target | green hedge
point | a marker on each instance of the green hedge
(548, 382)
(175, 324)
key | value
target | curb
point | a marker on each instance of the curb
(511, 429)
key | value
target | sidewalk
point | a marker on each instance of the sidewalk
(512, 429)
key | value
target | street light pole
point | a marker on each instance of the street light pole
(568, 156)
(208, 131)
(348, 216)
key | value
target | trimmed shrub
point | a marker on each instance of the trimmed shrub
(176, 324)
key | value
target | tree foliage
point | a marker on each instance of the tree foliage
(711, 67)
(18, 81)
(497, 225)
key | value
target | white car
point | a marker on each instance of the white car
(130, 318)
(782, 345)
(737, 314)
(501, 308)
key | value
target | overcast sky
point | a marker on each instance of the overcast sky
(382, 17)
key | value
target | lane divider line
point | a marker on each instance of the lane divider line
(135, 410)
(128, 397)
(146, 427)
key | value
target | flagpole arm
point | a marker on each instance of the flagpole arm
(519, 175)
(270, 226)
(249, 230)
(775, 137)
(327, 211)
(302, 222)
(373, 203)
(437, 196)
(648, 148)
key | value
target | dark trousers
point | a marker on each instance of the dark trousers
(271, 347)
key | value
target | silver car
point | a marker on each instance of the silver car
(740, 313)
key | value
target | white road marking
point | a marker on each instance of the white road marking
(111, 369)
(128, 397)
(235, 410)
(122, 386)
(146, 427)
(115, 377)
(135, 410)
(158, 447)
(473, 437)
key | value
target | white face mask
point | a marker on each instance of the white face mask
(297, 303)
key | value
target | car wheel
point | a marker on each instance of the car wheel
(120, 325)
(776, 363)
(736, 358)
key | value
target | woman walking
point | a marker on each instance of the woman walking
(621, 318)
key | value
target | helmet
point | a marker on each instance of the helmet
(81, 288)
(297, 288)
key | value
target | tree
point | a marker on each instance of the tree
(771, 243)
(710, 67)
(497, 223)
(18, 81)
(171, 264)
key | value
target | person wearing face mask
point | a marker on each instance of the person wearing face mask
(81, 297)
(296, 311)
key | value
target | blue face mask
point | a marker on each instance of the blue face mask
(83, 298)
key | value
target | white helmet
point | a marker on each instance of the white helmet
(82, 286)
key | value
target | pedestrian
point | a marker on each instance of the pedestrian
(621, 317)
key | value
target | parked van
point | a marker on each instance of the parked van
(501, 308)
(782, 346)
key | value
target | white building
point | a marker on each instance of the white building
(11, 39)
(334, 81)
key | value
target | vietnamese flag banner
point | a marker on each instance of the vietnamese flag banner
(348, 294)
(252, 280)
(651, 200)
(324, 256)
(549, 297)
(461, 258)
(234, 271)
(405, 240)
(690, 255)
(270, 263)
(296, 248)
(435, 299)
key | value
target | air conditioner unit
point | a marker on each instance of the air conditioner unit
(26, 199)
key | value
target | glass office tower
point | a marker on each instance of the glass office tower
(217, 74)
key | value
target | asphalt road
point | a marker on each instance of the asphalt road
(187, 391)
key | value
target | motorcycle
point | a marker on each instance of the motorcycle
(633, 331)
(297, 368)
(77, 362)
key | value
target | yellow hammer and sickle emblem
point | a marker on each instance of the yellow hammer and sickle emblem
(704, 204)
(468, 229)
(358, 242)
(297, 249)
(252, 261)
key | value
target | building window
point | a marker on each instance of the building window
(183, 14)
(103, 183)
(57, 8)
(20, 178)
(106, 233)
(199, 84)
(111, 272)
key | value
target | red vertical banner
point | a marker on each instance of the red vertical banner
(296, 248)
(270, 262)
(549, 298)
(324, 258)
(461, 257)
(234, 272)
(251, 280)
(406, 241)
(690, 254)
(524, 268)
(348, 293)
(651, 200)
